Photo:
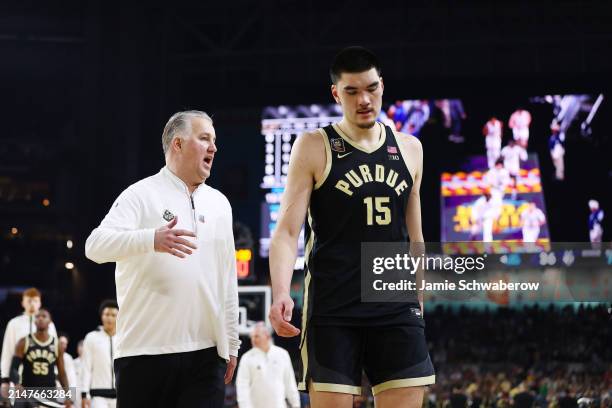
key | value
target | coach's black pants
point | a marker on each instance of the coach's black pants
(192, 379)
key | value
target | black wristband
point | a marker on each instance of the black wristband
(83, 395)
(5, 380)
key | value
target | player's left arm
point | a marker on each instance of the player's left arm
(413, 157)
(17, 360)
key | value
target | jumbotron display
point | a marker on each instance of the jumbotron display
(497, 197)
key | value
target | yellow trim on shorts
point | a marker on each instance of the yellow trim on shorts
(405, 382)
(304, 355)
(307, 251)
(328, 160)
(342, 388)
(303, 339)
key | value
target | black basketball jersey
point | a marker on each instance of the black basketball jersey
(362, 197)
(38, 367)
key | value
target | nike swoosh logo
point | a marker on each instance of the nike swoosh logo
(343, 155)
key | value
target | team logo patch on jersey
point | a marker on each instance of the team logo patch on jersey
(168, 216)
(337, 145)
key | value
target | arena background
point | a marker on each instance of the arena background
(88, 85)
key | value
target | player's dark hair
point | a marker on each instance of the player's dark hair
(108, 303)
(500, 160)
(44, 309)
(353, 60)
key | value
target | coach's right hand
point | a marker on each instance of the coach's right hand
(169, 240)
(280, 316)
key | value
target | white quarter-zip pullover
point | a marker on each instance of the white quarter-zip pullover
(266, 379)
(98, 354)
(168, 304)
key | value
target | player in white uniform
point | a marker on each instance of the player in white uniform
(69, 367)
(78, 368)
(512, 155)
(557, 151)
(265, 374)
(98, 376)
(595, 221)
(484, 213)
(519, 123)
(16, 329)
(497, 179)
(492, 131)
(532, 218)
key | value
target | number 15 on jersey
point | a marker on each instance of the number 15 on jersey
(381, 206)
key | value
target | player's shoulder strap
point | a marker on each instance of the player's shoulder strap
(397, 136)
(56, 345)
(325, 133)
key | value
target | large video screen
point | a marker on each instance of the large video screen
(497, 196)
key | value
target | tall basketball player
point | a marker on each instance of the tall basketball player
(38, 355)
(358, 181)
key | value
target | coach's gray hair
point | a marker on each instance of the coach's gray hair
(180, 122)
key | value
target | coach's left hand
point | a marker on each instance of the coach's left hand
(231, 366)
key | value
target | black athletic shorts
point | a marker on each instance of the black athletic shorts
(333, 358)
(181, 380)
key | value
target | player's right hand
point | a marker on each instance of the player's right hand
(86, 403)
(4, 390)
(168, 240)
(280, 316)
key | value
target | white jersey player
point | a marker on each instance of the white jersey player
(519, 123)
(492, 131)
(512, 155)
(532, 218)
(70, 369)
(595, 221)
(484, 213)
(497, 179)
